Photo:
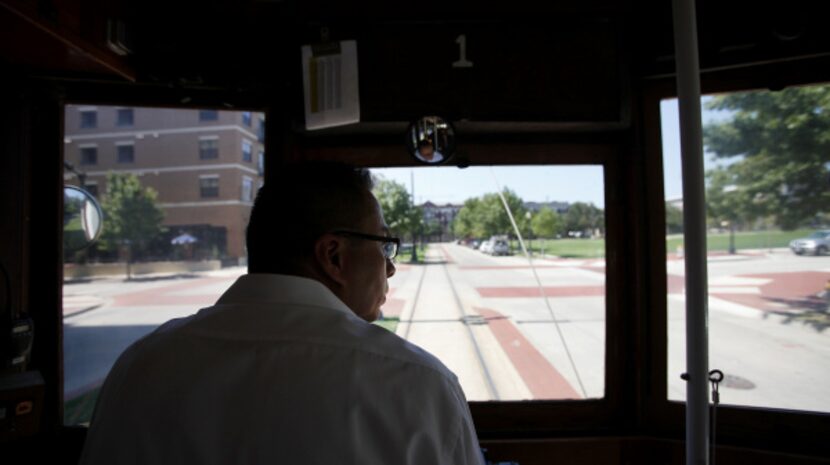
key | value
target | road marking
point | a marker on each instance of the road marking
(733, 290)
(550, 291)
(538, 374)
(737, 281)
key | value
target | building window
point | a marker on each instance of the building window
(208, 149)
(247, 188)
(89, 155)
(126, 153)
(246, 118)
(260, 166)
(260, 132)
(124, 117)
(209, 186)
(208, 115)
(246, 151)
(92, 188)
(89, 119)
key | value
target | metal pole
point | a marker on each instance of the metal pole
(414, 257)
(694, 219)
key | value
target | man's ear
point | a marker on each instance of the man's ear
(328, 253)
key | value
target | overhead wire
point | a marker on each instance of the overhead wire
(539, 284)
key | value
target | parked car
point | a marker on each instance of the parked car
(817, 243)
(501, 247)
(486, 247)
(496, 245)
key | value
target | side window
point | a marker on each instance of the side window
(260, 130)
(247, 151)
(89, 155)
(208, 147)
(124, 117)
(180, 222)
(247, 189)
(261, 163)
(125, 152)
(89, 119)
(208, 115)
(768, 218)
(209, 186)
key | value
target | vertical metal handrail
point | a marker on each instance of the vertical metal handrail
(694, 220)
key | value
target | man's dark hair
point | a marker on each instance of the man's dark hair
(300, 203)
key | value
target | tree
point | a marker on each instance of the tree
(582, 217)
(779, 144)
(486, 216)
(495, 219)
(726, 202)
(674, 219)
(546, 223)
(131, 216)
(402, 216)
(466, 223)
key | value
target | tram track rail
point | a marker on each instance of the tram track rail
(465, 318)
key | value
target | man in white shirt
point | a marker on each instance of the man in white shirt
(286, 367)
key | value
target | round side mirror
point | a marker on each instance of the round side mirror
(82, 219)
(431, 140)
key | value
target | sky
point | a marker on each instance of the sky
(443, 185)
(570, 184)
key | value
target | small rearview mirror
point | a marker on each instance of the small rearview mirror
(431, 140)
(82, 219)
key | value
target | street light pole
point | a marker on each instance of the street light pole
(414, 257)
(726, 190)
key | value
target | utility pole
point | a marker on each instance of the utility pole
(414, 257)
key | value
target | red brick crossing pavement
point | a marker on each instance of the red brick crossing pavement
(550, 291)
(786, 292)
(158, 295)
(165, 295)
(542, 379)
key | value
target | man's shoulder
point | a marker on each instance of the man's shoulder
(382, 344)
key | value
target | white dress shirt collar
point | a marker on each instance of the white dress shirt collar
(261, 288)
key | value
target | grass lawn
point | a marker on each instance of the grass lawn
(565, 248)
(405, 256)
(390, 323)
(594, 248)
(744, 240)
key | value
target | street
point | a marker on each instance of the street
(486, 318)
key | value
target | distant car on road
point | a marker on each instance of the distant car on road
(501, 247)
(486, 247)
(496, 245)
(817, 243)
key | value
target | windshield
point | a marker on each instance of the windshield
(818, 235)
(521, 316)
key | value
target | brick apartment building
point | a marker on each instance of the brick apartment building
(442, 216)
(206, 165)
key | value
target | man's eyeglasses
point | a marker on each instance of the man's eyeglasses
(390, 244)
